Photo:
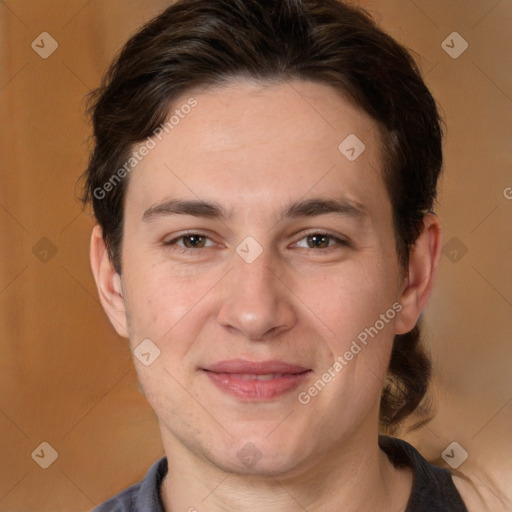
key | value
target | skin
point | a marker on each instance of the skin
(254, 149)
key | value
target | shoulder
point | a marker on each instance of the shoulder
(140, 497)
(433, 488)
(485, 497)
(125, 501)
(472, 498)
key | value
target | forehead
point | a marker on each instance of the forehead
(249, 142)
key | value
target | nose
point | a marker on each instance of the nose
(256, 303)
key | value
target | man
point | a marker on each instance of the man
(263, 178)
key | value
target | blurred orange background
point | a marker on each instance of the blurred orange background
(67, 379)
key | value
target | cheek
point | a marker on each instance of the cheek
(158, 300)
(351, 299)
(166, 394)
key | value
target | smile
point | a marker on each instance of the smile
(256, 381)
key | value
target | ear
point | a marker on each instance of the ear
(419, 281)
(108, 282)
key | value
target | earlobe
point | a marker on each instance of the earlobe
(423, 262)
(108, 282)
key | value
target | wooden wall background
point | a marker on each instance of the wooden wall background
(67, 379)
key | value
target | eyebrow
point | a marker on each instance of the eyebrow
(314, 207)
(197, 208)
(211, 210)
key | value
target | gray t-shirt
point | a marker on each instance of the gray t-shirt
(433, 489)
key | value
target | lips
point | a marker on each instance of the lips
(242, 366)
(256, 381)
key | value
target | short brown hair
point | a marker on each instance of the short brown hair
(201, 43)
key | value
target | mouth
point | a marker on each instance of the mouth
(256, 381)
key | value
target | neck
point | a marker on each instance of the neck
(353, 476)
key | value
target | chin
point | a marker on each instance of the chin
(260, 455)
(251, 461)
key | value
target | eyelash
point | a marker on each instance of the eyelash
(340, 242)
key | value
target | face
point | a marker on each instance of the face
(259, 257)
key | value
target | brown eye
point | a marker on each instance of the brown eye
(190, 241)
(318, 241)
(193, 241)
(321, 241)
